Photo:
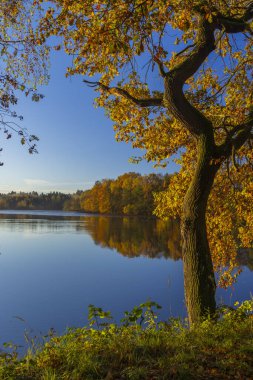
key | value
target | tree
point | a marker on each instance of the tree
(22, 65)
(198, 54)
(129, 194)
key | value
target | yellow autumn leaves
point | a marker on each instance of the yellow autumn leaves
(122, 43)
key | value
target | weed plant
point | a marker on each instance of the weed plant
(142, 348)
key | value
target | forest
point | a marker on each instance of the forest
(129, 194)
(33, 201)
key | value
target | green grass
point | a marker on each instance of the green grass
(220, 349)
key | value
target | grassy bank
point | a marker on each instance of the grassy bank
(150, 350)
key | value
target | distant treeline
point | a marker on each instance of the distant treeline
(129, 194)
(33, 201)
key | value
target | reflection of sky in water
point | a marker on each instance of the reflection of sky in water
(51, 270)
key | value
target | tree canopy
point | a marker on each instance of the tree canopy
(23, 65)
(133, 48)
(176, 79)
(129, 194)
(33, 201)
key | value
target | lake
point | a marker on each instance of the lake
(54, 264)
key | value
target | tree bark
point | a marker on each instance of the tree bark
(199, 281)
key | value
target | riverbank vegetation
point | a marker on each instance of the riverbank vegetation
(33, 201)
(169, 76)
(129, 194)
(141, 348)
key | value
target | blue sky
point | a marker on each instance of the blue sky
(76, 147)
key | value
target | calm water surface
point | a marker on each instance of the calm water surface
(54, 264)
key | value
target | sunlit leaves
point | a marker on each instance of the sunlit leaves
(130, 45)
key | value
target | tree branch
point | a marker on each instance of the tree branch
(230, 24)
(148, 102)
(163, 73)
(236, 138)
(175, 99)
(205, 43)
(5, 42)
(185, 49)
(243, 135)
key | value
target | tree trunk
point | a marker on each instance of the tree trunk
(199, 281)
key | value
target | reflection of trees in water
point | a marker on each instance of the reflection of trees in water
(134, 237)
(37, 223)
(129, 236)
(154, 238)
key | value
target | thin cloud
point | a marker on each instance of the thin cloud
(42, 185)
(36, 182)
(42, 182)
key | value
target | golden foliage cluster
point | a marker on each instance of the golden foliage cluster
(123, 44)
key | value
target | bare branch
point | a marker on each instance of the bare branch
(185, 49)
(161, 67)
(6, 42)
